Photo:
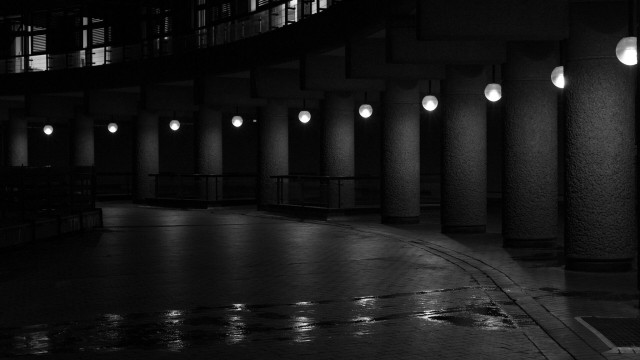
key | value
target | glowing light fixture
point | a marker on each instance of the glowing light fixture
(112, 127)
(47, 129)
(430, 102)
(365, 109)
(627, 50)
(174, 125)
(304, 116)
(557, 77)
(237, 121)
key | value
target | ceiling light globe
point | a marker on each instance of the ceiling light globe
(493, 92)
(174, 125)
(304, 116)
(430, 102)
(627, 50)
(112, 127)
(237, 121)
(47, 129)
(365, 111)
(557, 77)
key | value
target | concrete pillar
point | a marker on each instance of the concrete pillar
(401, 153)
(273, 154)
(530, 185)
(83, 142)
(338, 147)
(209, 149)
(464, 150)
(599, 146)
(17, 141)
(146, 159)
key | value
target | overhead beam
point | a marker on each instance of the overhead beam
(328, 73)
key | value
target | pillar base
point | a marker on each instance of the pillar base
(598, 265)
(400, 219)
(461, 229)
(529, 243)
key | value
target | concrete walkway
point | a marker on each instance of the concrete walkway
(238, 283)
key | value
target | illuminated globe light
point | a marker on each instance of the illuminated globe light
(48, 129)
(112, 127)
(365, 110)
(430, 102)
(174, 125)
(493, 92)
(237, 121)
(304, 116)
(627, 50)
(557, 77)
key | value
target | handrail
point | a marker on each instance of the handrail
(205, 186)
(221, 32)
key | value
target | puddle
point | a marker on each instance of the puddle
(174, 330)
(592, 295)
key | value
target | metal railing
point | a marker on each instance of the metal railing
(237, 27)
(206, 187)
(30, 193)
(110, 185)
(343, 191)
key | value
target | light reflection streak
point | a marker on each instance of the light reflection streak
(301, 326)
(33, 343)
(236, 331)
(172, 320)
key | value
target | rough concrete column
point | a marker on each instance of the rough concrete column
(83, 142)
(209, 149)
(600, 223)
(464, 150)
(401, 153)
(146, 155)
(273, 154)
(338, 148)
(17, 142)
(530, 185)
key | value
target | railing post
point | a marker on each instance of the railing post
(216, 188)
(302, 191)
(156, 181)
(339, 195)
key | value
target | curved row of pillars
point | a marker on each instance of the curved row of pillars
(600, 196)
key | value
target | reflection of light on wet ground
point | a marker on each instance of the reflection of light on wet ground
(236, 329)
(172, 320)
(301, 322)
(301, 326)
(33, 343)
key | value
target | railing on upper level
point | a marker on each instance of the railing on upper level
(272, 16)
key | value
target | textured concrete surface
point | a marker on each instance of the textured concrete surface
(273, 152)
(530, 186)
(600, 177)
(464, 150)
(17, 142)
(338, 146)
(83, 141)
(209, 146)
(400, 195)
(236, 283)
(146, 158)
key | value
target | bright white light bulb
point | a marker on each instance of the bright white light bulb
(430, 102)
(48, 129)
(557, 77)
(237, 121)
(493, 92)
(174, 125)
(627, 50)
(112, 127)
(365, 110)
(304, 116)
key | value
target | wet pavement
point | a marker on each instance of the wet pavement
(238, 283)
